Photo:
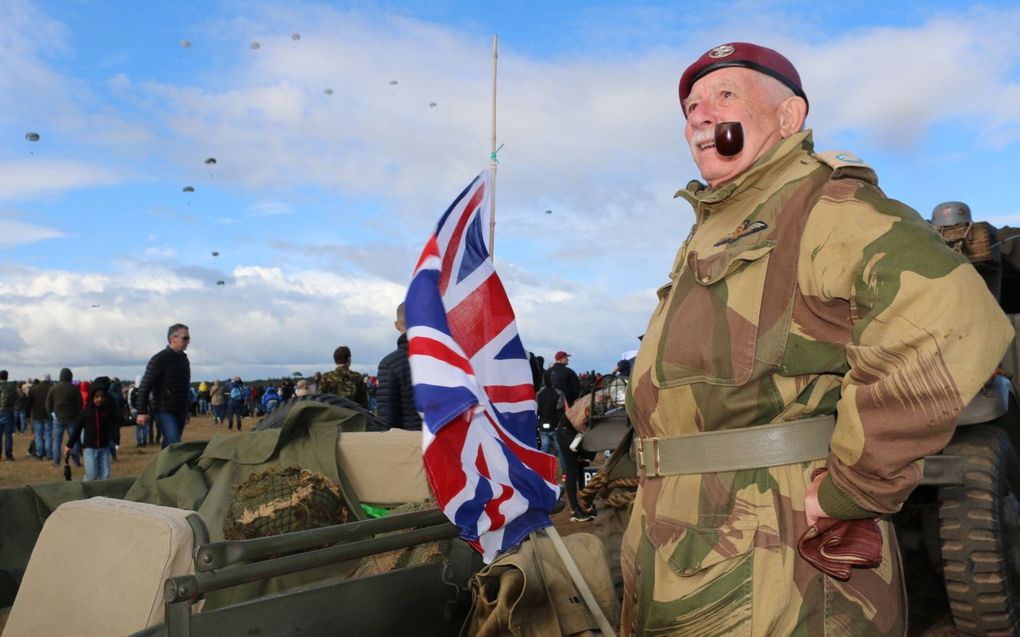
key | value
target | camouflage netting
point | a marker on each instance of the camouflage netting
(282, 500)
(411, 556)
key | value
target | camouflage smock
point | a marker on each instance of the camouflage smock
(802, 290)
(346, 383)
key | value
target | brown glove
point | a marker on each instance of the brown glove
(835, 546)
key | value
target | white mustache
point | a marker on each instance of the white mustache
(700, 137)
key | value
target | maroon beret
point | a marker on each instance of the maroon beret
(746, 55)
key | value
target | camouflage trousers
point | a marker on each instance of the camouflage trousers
(716, 554)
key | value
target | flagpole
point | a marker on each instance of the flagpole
(492, 157)
(575, 575)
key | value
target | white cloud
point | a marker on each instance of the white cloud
(24, 178)
(596, 137)
(161, 252)
(272, 208)
(895, 83)
(13, 232)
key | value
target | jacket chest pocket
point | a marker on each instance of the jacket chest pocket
(711, 326)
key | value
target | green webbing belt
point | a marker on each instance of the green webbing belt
(734, 449)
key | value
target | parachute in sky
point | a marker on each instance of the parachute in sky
(32, 137)
(394, 82)
(433, 105)
(328, 91)
(255, 46)
(185, 44)
(210, 161)
(548, 212)
(221, 282)
(188, 189)
(215, 253)
(295, 36)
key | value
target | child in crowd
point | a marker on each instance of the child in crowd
(96, 426)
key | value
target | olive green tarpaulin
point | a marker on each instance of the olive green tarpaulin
(200, 475)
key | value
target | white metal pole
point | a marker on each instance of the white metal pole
(492, 157)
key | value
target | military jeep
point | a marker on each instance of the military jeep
(163, 554)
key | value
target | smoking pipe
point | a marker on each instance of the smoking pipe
(729, 138)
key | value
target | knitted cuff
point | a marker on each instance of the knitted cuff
(837, 504)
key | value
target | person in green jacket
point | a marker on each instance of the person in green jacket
(804, 300)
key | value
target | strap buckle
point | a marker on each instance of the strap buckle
(648, 462)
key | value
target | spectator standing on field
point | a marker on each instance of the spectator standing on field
(168, 378)
(565, 379)
(551, 409)
(142, 431)
(342, 380)
(271, 399)
(64, 402)
(42, 425)
(115, 400)
(97, 427)
(8, 399)
(218, 401)
(252, 396)
(236, 395)
(203, 398)
(395, 393)
(20, 403)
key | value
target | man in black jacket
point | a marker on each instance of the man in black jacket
(64, 402)
(565, 379)
(166, 380)
(395, 395)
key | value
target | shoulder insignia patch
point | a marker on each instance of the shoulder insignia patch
(745, 228)
(844, 164)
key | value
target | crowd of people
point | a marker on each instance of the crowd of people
(80, 421)
(161, 401)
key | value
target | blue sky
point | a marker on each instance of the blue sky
(319, 202)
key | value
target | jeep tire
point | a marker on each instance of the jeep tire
(979, 527)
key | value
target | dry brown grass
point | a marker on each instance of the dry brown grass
(130, 459)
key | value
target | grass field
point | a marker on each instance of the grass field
(130, 459)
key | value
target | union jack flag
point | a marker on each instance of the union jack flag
(473, 386)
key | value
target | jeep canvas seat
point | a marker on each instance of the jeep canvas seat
(384, 468)
(108, 559)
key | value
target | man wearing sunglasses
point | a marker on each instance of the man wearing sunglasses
(163, 391)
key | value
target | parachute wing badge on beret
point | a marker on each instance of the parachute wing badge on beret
(721, 51)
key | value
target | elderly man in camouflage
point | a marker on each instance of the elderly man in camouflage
(801, 293)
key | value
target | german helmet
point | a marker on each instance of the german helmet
(950, 213)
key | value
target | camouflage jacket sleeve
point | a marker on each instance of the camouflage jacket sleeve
(925, 335)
